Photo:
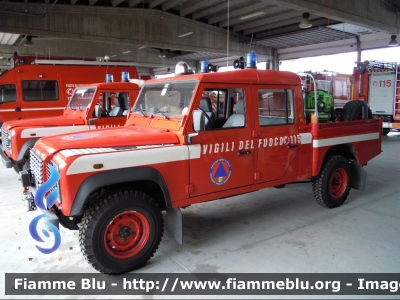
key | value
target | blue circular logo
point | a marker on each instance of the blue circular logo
(220, 171)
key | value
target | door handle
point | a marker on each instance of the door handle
(18, 108)
(291, 146)
(243, 153)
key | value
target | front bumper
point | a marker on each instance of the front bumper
(7, 162)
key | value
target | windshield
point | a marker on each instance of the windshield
(81, 98)
(168, 98)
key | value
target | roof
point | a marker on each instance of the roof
(252, 76)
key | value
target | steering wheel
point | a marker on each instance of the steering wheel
(103, 110)
(208, 118)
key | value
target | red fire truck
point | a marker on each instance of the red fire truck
(175, 151)
(100, 105)
(43, 88)
(378, 83)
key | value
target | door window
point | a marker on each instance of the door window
(275, 107)
(225, 108)
(8, 93)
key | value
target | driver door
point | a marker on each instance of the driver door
(227, 153)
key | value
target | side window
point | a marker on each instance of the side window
(39, 90)
(275, 107)
(8, 93)
(225, 108)
(115, 104)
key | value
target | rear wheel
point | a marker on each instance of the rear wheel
(353, 110)
(332, 185)
(121, 233)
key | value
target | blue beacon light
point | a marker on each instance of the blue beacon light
(109, 78)
(204, 66)
(125, 76)
(251, 60)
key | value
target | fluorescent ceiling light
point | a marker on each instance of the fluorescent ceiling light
(185, 34)
(8, 38)
(252, 15)
(126, 52)
(141, 47)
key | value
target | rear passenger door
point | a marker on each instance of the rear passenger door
(278, 141)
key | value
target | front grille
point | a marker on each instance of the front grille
(5, 137)
(36, 165)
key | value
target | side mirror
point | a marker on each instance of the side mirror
(198, 121)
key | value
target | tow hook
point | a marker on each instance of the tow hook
(28, 200)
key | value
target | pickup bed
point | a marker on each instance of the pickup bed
(191, 139)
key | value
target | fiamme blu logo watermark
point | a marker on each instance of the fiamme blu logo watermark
(43, 202)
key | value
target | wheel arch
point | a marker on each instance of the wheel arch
(147, 180)
(25, 148)
(349, 152)
(346, 150)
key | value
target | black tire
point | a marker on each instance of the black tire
(385, 131)
(121, 233)
(353, 111)
(332, 186)
(22, 166)
(18, 167)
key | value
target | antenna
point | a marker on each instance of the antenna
(227, 40)
(251, 41)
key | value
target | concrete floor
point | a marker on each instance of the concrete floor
(269, 231)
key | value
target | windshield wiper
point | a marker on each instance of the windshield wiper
(141, 110)
(163, 112)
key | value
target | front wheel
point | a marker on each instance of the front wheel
(385, 131)
(121, 233)
(332, 186)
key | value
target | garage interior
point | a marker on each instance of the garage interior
(268, 231)
(156, 34)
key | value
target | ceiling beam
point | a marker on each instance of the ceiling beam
(115, 3)
(172, 3)
(155, 3)
(371, 14)
(223, 16)
(293, 19)
(189, 8)
(140, 27)
(268, 10)
(92, 2)
(133, 3)
(291, 28)
(284, 16)
(222, 7)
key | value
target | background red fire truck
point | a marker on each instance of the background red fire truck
(43, 88)
(378, 84)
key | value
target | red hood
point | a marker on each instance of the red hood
(47, 122)
(125, 136)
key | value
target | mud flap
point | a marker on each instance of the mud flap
(359, 176)
(174, 224)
